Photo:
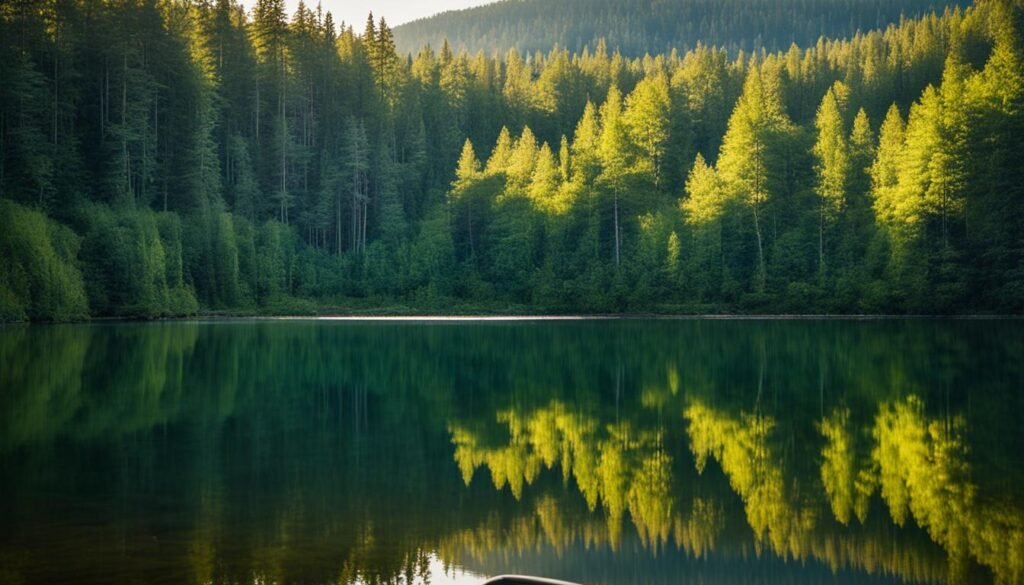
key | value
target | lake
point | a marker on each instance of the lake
(597, 451)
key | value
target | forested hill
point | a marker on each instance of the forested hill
(162, 157)
(638, 27)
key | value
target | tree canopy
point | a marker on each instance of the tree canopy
(170, 156)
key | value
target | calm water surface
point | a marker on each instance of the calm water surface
(443, 452)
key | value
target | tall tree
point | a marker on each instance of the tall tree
(545, 181)
(647, 117)
(463, 190)
(614, 152)
(585, 144)
(270, 38)
(832, 168)
(521, 162)
(885, 169)
(749, 163)
(357, 157)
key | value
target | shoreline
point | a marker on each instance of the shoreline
(487, 317)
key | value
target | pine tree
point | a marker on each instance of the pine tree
(462, 193)
(564, 159)
(858, 229)
(270, 38)
(647, 117)
(749, 164)
(357, 163)
(25, 160)
(468, 168)
(370, 47)
(614, 152)
(585, 144)
(391, 224)
(518, 89)
(923, 142)
(947, 196)
(545, 182)
(501, 156)
(832, 168)
(885, 169)
(521, 162)
(386, 68)
(705, 194)
(862, 152)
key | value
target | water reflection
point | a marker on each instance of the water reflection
(602, 452)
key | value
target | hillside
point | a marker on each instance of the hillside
(163, 158)
(636, 27)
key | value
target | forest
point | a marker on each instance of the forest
(638, 27)
(168, 157)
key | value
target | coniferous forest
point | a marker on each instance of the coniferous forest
(637, 27)
(166, 157)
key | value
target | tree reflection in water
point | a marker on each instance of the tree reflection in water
(394, 453)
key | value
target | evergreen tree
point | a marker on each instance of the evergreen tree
(885, 169)
(464, 192)
(357, 157)
(545, 182)
(862, 152)
(270, 38)
(501, 156)
(586, 141)
(614, 152)
(749, 162)
(833, 168)
(705, 194)
(647, 117)
(521, 162)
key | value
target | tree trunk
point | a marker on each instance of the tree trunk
(156, 135)
(284, 150)
(56, 82)
(821, 240)
(355, 209)
(762, 274)
(759, 179)
(3, 149)
(105, 92)
(365, 212)
(945, 231)
(337, 228)
(469, 216)
(124, 125)
(617, 243)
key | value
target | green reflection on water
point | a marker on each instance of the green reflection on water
(604, 452)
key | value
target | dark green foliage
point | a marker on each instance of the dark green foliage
(132, 262)
(206, 157)
(639, 27)
(432, 256)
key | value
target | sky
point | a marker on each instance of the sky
(395, 12)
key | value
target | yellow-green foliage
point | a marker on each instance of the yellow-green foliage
(616, 466)
(39, 278)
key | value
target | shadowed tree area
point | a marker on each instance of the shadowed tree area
(640, 27)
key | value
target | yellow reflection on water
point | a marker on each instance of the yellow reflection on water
(916, 465)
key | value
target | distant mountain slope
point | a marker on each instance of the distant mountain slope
(636, 27)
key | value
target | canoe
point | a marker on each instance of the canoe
(524, 580)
